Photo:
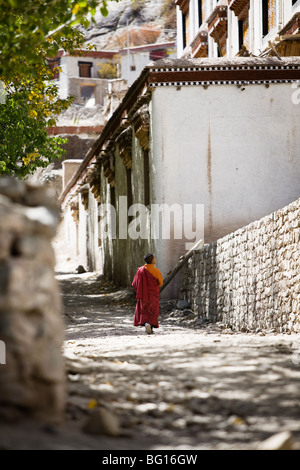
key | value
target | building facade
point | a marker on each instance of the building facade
(214, 28)
(77, 75)
(197, 148)
(96, 98)
(134, 59)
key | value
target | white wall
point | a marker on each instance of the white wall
(236, 152)
(137, 60)
(63, 78)
(82, 235)
(73, 67)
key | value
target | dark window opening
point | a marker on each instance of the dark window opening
(87, 94)
(129, 193)
(200, 13)
(184, 30)
(113, 196)
(265, 17)
(241, 33)
(146, 178)
(85, 69)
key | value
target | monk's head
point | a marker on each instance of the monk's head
(149, 258)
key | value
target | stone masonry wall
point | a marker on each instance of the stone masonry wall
(250, 279)
(32, 376)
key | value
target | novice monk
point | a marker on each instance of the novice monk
(146, 284)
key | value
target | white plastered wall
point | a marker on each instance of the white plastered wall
(235, 150)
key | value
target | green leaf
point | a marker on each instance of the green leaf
(14, 3)
(104, 11)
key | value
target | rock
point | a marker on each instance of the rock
(188, 312)
(127, 15)
(102, 421)
(182, 304)
(203, 321)
(237, 279)
(44, 219)
(29, 246)
(32, 383)
(281, 441)
(80, 269)
(12, 188)
(37, 195)
(6, 241)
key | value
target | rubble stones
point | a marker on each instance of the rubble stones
(207, 388)
(281, 441)
(32, 380)
(80, 269)
(249, 280)
(102, 421)
(182, 304)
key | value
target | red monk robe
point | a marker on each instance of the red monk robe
(146, 286)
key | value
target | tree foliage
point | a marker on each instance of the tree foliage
(32, 32)
(26, 26)
(108, 70)
(31, 106)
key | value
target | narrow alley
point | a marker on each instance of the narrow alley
(191, 385)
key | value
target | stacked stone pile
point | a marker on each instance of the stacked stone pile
(250, 279)
(32, 378)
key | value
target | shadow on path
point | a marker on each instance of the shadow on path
(203, 387)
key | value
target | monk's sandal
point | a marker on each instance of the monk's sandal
(148, 328)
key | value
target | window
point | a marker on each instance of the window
(200, 17)
(146, 178)
(112, 195)
(129, 192)
(268, 15)
(241, 33)
(85, 69)
(184, 31)
(185, 18)
(265, 17)
(87, 95)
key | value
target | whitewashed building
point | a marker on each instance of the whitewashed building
(220, 135)
(76, 74)
(214, 28)
(134, 59)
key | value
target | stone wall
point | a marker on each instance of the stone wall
(32, 379)
(250, 279)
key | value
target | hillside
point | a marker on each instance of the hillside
(139, 21)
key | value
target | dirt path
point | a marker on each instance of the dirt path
(188, 386)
